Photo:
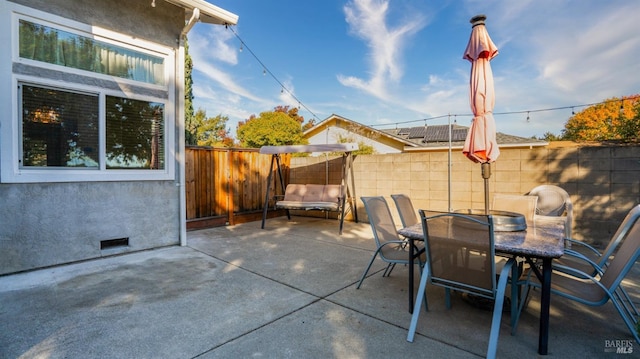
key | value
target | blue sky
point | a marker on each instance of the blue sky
(394, 63)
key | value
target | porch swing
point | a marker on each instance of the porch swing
(322, 197)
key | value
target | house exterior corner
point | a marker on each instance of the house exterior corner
(91, 138)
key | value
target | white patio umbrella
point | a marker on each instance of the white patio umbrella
(480, 145)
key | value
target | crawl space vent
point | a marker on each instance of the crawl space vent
(114, 243)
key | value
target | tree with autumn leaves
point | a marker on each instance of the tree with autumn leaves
(615, 119)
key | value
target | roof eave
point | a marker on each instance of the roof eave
(209, 13)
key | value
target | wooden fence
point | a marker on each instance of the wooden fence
(226, 186)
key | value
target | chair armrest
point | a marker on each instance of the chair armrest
(571, 272)
(581, 257)
(585, 245)
(393, 242)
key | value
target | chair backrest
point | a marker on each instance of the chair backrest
(525, 205)
(460, 251)
(382, 224)
(627, 254)
(620, 234)
(408, 214)
(554, 201)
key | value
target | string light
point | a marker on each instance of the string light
(572, 112)
(266, 70)
(528, 112)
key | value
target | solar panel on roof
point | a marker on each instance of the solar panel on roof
(417, 132)
(404, 131)
(459, 134)
(440, 133)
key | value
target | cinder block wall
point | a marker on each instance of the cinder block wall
(603, 181)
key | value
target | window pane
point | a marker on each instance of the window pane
(50, 45)
(135, 134)
(59, 128)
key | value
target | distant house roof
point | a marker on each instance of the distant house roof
(431, 137)
(438, 136)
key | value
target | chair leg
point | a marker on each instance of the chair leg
(497, 309)
(418, 303)
(447, 298)
(628, 319)
(368, 267)
(628, 303)
(388, 270)
(524, 302)
(516, 272)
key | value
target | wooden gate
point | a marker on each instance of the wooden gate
(226, 186)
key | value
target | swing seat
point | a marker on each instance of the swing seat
(329, 197)
(312, 197)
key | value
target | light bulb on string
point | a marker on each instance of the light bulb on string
(264, 72)
(528, 118)
(241, 47)
(572, 112)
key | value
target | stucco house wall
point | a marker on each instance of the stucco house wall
(50, 222)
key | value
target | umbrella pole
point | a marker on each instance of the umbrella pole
(486, 174)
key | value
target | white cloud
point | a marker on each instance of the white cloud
(367, 20)
(214, 43)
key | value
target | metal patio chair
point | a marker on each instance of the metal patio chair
(408, 214)
(598, 284)
(389, 246)
(447, 235)
(594, 262)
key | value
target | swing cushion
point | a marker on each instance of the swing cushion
(312, 197)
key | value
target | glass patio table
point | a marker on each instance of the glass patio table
(544, 241)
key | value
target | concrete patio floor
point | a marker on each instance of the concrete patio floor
(287, 291)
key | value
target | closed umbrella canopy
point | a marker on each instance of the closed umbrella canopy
(480, 145)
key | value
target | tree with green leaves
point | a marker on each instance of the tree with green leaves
(211, 131)
(271, 128)
(189, 128)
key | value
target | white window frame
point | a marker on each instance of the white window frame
(10, 122)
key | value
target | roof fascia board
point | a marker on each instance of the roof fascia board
(209, 13)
